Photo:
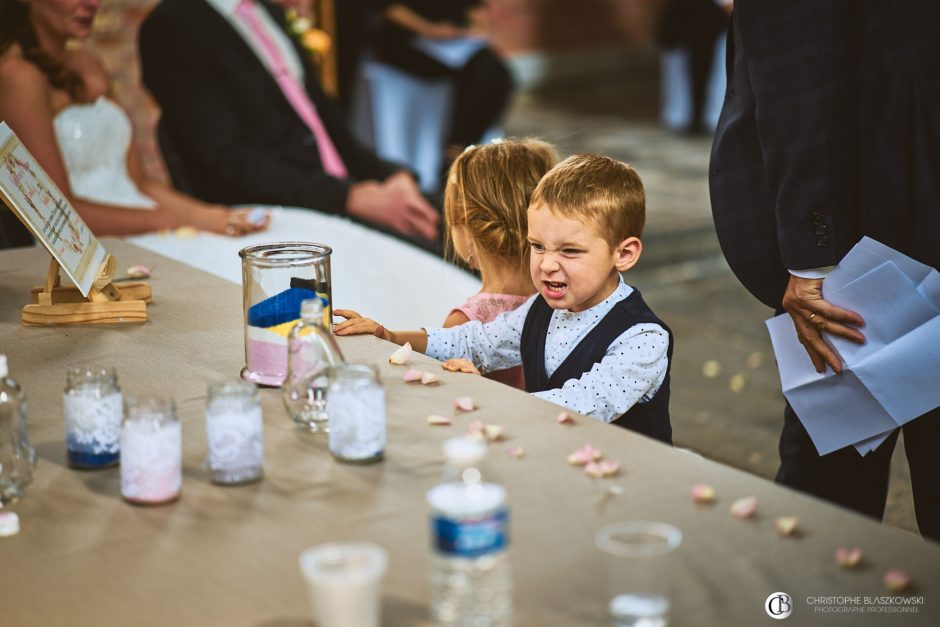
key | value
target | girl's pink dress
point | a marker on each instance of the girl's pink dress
(485, 307)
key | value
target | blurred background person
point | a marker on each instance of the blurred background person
(444, 39)
(56, 99)
(246, 118)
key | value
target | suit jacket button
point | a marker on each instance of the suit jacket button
(309, 139)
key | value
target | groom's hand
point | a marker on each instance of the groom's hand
(812, 315)
(396, 203)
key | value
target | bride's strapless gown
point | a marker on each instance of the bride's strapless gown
(94, 139)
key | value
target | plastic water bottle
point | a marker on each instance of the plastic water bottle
(17, 457)
(311, 350)
(471, 579)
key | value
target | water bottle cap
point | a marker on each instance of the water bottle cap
(464, 451)
(311, 307)
(4, 370)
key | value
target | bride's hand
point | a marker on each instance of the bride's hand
(224, 221)
(245, 221)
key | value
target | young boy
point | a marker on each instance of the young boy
(586, 340)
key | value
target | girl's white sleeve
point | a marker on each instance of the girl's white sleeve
(491, 346)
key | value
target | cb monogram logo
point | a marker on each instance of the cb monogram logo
(779, 605)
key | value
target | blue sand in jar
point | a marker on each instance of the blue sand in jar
(87, 459)
(280, 308)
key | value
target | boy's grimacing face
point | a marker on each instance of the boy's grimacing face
(572, 266)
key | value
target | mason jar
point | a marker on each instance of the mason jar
(234, 430)
(151, 451)
(355, 403)
(94, 407)
(276, 278)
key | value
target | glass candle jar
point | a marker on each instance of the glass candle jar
(94, 407)
(355, 403)
(276, 278)
(234, 430)
(151, 452)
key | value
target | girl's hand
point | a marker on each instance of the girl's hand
(357, 325)
(459, 364)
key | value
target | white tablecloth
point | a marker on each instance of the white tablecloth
(383, 278)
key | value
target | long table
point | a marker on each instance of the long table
(227, 556)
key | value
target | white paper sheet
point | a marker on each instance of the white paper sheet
(889, 380)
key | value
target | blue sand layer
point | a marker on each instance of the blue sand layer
(85, 459)
(279, 308)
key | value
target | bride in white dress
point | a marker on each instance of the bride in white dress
(55, 99)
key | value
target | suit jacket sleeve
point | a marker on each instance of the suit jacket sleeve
(177, 68)
(798, 55)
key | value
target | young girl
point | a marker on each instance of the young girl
(485, 204)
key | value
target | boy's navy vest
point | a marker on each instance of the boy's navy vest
(650, 418)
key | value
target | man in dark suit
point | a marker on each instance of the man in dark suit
(250, 124)
(830, 131)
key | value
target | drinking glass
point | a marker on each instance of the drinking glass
(638, 556)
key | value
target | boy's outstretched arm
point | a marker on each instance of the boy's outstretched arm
(355, 324)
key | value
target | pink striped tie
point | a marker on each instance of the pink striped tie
(293, 90)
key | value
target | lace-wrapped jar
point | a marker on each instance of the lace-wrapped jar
(234, 432)
(151, 452)
(355, 403)
(94, 407)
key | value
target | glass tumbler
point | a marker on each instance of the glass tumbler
(355, 404)
(94, 407)
(276, 278)
(151, 451)
(640, 571)
(234, 430)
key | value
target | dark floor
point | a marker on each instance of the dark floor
(726, 399)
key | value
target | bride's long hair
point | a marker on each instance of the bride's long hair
(16, 28)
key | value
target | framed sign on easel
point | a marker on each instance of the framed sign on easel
(39, 204)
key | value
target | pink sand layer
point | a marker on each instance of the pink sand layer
(267, 362)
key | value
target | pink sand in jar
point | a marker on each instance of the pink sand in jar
(266, 357)
(151, 461)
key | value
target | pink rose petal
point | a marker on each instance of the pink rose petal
(744, 507)
(411, 375)
(703, 493)
(786, 525)
(564, 418)
(603, 468)
(464, 403)
(401, 356)
(438, 421)
(494, 433)
(516, 452)
(475, 430)
(896, 580)
(428, 377)
(848, 558)
(584, 455)
(138, 272)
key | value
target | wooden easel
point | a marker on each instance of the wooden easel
(106, 302)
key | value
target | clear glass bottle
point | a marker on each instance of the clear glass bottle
(471, 582)
(94, 407)
(356, 406)
(151, 452)
(234, 430)
(17, 456)
(311, 350)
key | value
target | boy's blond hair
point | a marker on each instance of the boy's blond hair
(488, 191)
(596, 189)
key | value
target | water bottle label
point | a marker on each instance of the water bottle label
(471, 537)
